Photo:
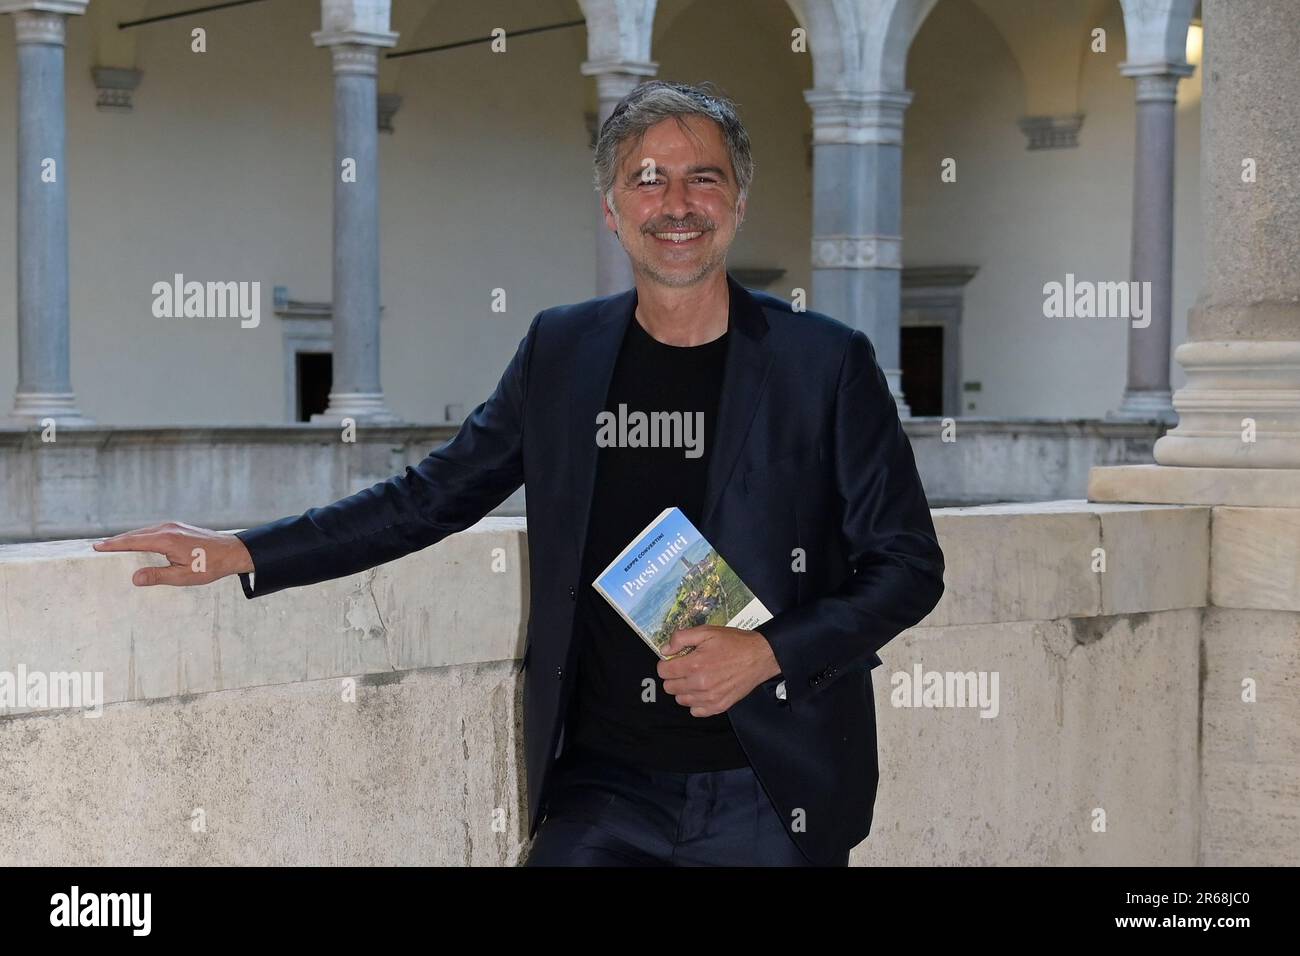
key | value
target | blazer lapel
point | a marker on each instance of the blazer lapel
(744, 377)
(594, 356)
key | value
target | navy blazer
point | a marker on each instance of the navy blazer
(812, 497)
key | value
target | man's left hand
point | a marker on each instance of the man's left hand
(726, 664)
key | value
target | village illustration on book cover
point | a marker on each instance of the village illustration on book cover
(670, 578)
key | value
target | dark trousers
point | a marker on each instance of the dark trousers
(602, 812)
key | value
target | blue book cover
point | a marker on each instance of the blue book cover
(670, 578)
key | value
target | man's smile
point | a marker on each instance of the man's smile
(678, 238)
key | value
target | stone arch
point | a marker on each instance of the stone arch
(861, 44)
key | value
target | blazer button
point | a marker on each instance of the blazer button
(559, 673)
(573, 594)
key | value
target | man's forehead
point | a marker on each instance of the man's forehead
(669, 144)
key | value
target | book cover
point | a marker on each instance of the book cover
(669, 578)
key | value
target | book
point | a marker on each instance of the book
(669, 578)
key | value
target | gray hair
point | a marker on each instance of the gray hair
(655, 101)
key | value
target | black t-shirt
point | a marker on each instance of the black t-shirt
(612, 710)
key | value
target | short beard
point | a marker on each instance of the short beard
(706, 269)
(677, 281)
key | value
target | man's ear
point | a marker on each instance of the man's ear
(740, 210)
(611, 221)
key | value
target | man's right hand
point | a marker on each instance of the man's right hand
(196, 555)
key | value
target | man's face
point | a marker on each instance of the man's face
(676, 207)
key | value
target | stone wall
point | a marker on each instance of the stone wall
(94, 481)
(376, 718)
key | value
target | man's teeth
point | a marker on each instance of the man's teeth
(678, 236)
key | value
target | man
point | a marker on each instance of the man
(758, 747)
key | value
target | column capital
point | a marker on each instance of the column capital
(617, 78)
(1051, 132)
(42, 21)
(355, 51)
(36, 26)
(370, 38)
(635, 68)
(1157, 81)
(1156, 88)
(1179, 68)
(71, 8)
(857, 116)
(355, 58)
(114, 85)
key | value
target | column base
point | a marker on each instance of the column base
(31, 408)
(894, 376)
(366, 407)
(1162, 484)
(1239, 409)
(1145, 405)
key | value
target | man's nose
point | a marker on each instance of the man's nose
(677, 200)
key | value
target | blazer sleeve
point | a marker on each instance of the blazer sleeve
(896, 565)
(452, 488)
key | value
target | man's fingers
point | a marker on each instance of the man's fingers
(177, 575)
(121, 542)
(680, 685)
(144, 540)
(701, 706)
(688, 638)
(188, 550)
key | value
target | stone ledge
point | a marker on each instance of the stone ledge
(27, 435)
(69, 608)
(1033, 562)
(1256, 558)
(1169, 484)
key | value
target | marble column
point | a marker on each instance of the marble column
(613, 82)
(1240, 408)
(356, 391)
(44, 356)
(857, 256)
(1147, 395)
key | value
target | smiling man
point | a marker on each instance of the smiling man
(759, 746)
